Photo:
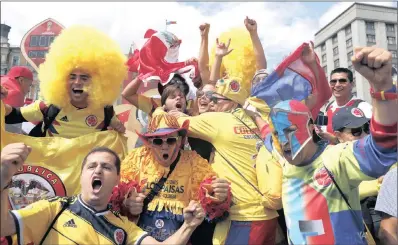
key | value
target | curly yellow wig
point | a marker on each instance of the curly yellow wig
(241, 62)
(85, 48)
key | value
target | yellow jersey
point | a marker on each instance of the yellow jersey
(67, 124)
(77, 224)
(233, 135)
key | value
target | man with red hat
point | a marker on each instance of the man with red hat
(18, 82)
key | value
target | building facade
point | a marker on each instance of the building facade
(11, 56)
(359, 25)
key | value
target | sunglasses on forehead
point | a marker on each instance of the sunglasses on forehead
(161, 141)
(341, 80)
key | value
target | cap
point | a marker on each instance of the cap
(348, 117)
(20, 71)
(232, 89)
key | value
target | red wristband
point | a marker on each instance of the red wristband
(390, 94)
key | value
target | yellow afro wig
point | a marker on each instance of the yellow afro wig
(85, 48)
(241, 62)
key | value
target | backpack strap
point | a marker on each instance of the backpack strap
(108, 114)
(357, 102)
(49, 115)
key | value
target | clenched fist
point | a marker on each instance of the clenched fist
(374, 64)
(12, 158)
(251, 25)
(193, 214)
(135, 202)
(220, 189)
(204, 29)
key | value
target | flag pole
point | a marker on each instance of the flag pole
(166, 24)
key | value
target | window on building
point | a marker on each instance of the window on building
(337, 63)
(391, 40)
(324, 58)
(334, 39)
(393, 53)
(370, 26)
(3, 58)
(15, 60)
(371, 38)
(349, 55)
(325, 68)
(323, 48)
(390, 27)
(348, 30)
(336, 51)
(348, 43)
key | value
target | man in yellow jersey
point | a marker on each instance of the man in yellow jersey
(234, 136)
(79, 82)
(83, 219)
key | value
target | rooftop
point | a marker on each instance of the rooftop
(349, 8)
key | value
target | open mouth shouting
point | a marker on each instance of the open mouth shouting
(77, 92)
(165, 156)
(287, 152)
(178, 106)
(96, 183)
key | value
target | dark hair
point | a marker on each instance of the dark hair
(177, 79)
(107, 150)
(344, 70)
(169, 90)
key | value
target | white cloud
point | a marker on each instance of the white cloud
(338, 8)
(281, 31)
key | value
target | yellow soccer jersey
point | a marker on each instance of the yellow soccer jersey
(78, 224)
(232, 139)
(67, 124)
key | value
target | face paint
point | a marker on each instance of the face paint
(290, 120)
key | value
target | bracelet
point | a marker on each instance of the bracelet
(390, 94)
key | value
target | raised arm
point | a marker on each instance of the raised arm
(204, 68)
(130, 93)
(221, 51)
(251, 26)
(12, 158)
(375, 65)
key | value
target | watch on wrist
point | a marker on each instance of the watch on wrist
(390, 94)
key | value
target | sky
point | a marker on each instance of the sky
(282, 26)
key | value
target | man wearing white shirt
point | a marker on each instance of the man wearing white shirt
(341, 84)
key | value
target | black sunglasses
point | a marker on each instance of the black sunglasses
(160, 141)
(341, 80)
(358, 131)
(216, 99)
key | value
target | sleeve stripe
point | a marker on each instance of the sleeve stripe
(18, 226)
(139, 240)
(385, 136)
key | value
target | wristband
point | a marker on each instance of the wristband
(390, 94)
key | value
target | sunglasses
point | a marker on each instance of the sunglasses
(358, 131)
(215, 100)
(200, 94)
(160, 141)
(341, 80)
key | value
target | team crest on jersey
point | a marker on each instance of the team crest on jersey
(357, 112)
(33, 183)
(322, 178)
(159, 223)
(118, 235)
(91, 120)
